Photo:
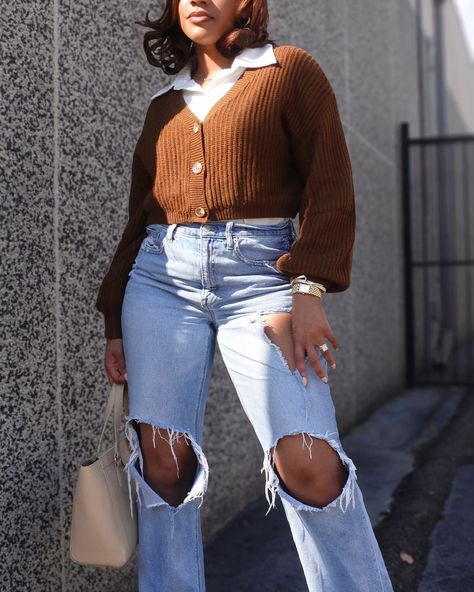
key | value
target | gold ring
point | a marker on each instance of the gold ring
(323, 347)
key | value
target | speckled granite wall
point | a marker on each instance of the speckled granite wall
(30, 502)
(75, 87)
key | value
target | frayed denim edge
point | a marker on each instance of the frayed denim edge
(272, 482)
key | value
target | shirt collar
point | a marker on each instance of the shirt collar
(249, 57)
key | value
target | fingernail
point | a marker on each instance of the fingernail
(333, 365)
(324, 378)
(305, 380)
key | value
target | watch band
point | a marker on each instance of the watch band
(306, 288)
(301, 284)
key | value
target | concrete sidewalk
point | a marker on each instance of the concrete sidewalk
(451, 561)
(256, 553)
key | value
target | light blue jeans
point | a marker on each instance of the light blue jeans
(191, 284)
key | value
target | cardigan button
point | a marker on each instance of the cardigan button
(196, 127)
(197, 167)
(200, 212)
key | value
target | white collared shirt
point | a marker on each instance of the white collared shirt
(200, 100)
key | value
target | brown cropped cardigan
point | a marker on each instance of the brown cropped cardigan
(273, 145)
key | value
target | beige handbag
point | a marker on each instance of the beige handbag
(103, 529)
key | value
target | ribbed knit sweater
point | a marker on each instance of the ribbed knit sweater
(273, 145)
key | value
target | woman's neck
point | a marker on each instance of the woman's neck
(206, 64)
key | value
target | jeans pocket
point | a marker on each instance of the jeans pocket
(154, 242)
(261, 250)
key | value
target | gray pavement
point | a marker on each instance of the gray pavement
(383, 446)
(451, 560)
(255, 552)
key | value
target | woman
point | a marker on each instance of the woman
(247, 136)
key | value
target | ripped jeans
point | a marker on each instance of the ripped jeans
(191, 284)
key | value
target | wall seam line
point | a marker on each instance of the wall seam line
(350, 295)
(57, 279)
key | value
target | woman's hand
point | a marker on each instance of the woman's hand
(115, 361)
(310, 329)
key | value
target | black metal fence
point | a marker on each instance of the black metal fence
(438, 205)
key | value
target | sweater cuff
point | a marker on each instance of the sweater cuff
(325, 283)
(113, 326)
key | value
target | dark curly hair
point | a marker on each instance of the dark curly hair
(168, 48)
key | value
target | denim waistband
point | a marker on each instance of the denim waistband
(223, 228)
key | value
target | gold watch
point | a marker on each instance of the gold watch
(301, 285)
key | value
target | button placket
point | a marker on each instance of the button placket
(198, 205)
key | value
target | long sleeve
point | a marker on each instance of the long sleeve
(111, 292)
(324, 246)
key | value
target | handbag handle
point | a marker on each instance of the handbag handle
(115, 405)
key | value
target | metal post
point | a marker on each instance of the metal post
(407, 258)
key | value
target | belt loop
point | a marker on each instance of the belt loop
(170, 231)
(228, 233)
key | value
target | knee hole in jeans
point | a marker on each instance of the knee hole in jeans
(169, 461)
(338, 473)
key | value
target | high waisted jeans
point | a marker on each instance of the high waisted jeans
(191, 284)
